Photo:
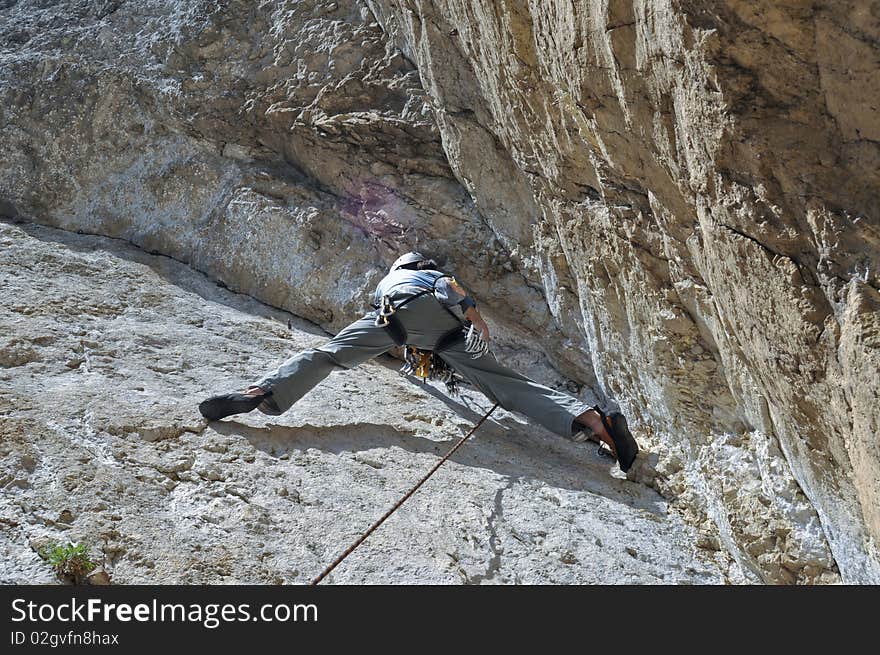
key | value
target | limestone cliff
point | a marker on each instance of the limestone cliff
(668, 204)
(104, 348)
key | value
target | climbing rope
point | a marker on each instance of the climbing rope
(400, 502)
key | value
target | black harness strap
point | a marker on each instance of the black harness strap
(395, 328)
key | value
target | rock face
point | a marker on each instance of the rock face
(100, 442)
(668, 205)
(287, 150)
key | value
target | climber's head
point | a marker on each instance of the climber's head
(410, 260)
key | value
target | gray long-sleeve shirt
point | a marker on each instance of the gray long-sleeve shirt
(405, 282)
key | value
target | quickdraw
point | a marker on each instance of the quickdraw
(475, 344)
(386, 309)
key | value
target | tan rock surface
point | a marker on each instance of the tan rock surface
(707, 184)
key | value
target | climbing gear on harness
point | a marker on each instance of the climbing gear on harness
(475, 344)
(427, 365)
(422, 361)
(400, 502)
(385, 317)
(408, 258)
(386, 309)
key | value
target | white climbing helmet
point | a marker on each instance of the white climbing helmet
(408, 258)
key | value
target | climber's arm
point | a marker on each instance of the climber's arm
(454, 294)
(466, 301)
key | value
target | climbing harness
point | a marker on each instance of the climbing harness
(385, 318)
(386, 310)
(400, 502)
(427, 364)
(418, 362)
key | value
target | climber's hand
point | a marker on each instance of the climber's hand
(477, 321)
(482, 328)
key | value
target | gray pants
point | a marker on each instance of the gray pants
(425, 322)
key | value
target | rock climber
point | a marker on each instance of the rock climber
(420, 306)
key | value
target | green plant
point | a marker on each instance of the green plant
(69, 560)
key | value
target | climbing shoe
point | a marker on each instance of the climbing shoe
(217, 407)
(624, 443)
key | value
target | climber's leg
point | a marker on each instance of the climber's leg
(354, 345)
(555, 410)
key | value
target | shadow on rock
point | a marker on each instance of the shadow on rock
(509, 452)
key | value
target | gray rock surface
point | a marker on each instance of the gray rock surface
(291, 134)
(100, 442)
(670, 206)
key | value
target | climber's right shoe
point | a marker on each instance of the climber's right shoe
(624, 443)
(217, 407)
